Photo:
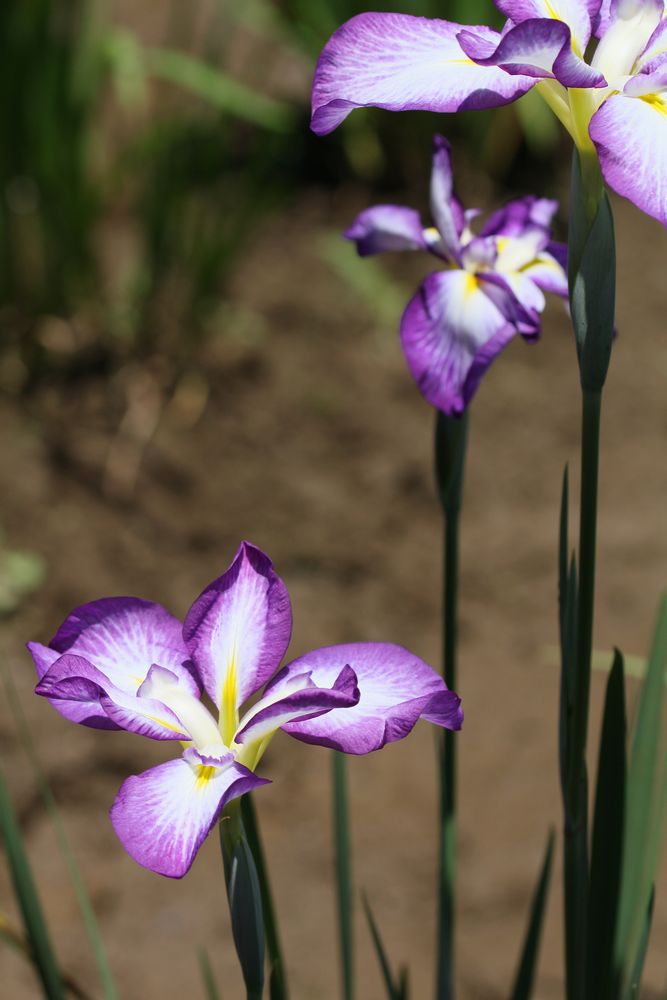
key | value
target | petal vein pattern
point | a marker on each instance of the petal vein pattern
(399, 62)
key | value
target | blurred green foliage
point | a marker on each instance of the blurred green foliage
(133, 172)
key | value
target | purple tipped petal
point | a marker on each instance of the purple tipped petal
(631, 138)
(239, 628)
(520, 215)
(577, 14)
(306, 702)
(444, 709)
(536, 48)
(451, 331)
(396, 689)
(446, 209)
(549, 270)
(74, 687)
(401, 63)
(163, 816)
(655, 53)
(83, 694)
(387, 227)
(123, 637)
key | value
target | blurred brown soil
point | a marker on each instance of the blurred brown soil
(315, 444)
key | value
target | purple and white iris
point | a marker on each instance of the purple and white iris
(491, 286)
(125, 663)
(615, 105)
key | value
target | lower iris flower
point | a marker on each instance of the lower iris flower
(491, 286)
(126, 663)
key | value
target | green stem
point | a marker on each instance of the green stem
(343, 868)
(451, 438)
(245, 902)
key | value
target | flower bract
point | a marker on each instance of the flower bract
(601, 65)
(125, 663)
(489, 288)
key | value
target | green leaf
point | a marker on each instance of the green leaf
(219, 89)
(245, 901)
(343, 865)
(208, 978)
(645, 810)
(28, 900)
(607, 842)
(523, 985)
(75, 877)
(395, 991)
(592, 271)
(634, 981)
(277, 977)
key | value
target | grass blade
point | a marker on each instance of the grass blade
(635, 979)
(645, 811)
(607, 842)
(525, 976)
(343, 867)
(277, 978)
(28, 900)
(208, 978)
(218, 89)
(78, 885)
(394, 992)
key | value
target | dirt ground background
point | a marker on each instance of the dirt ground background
(315, 444)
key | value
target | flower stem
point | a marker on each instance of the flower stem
(450, 449)
(343, 868)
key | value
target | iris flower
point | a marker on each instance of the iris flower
(490, 288)
(126, 663)
(614, 105)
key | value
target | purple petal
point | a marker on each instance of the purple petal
(520, 215)
(538, 48)
(387, 227)
(517, 299)
(549, 270)
(631, 139)
(403, 63)
(123, 637)
(448, 330)
(577, 14)
(306, 702)
(655, 53)
(163, 816)
(446, 209)
(628, 28)
(239, 628)
(614, 11)
(396, 689)
(83, 694)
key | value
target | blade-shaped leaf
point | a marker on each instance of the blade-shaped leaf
(277, 977)
(28, 900)
(208, 978)
(76, 879)
(525, 976)
(395, 991)
(607, 842)
(645, 812)
(635, 978)
(218, 89)
(245, 901)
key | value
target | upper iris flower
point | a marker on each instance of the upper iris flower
(491, 289)
(124, 663)
(616, 104)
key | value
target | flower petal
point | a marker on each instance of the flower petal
(163, 816)
(549, 270)
(630, 134)
(539, 48)
(306, 702)
(396, 689)
(387, 227)
(625, 28)
(83, 694)
(239, 628)
(123, 637)
(577, 14)
(446, 209)
(520, 215)
(402, 63)
(448, 330)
